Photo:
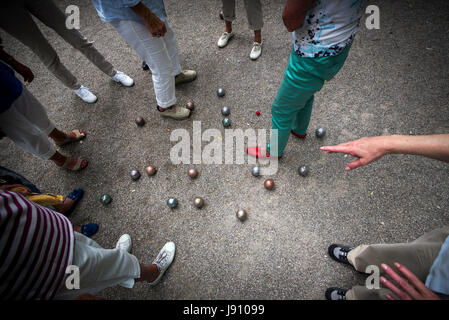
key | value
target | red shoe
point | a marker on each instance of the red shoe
(300, 136)
(260, 153)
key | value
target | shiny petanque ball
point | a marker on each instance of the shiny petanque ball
(105, 199)
(241, 215)
(198, 202)
(320, 132)
(226, 111)
(303, 171)
(140, 121)
(226, 122)
(193, 173)
(269, 184)
(172, 203)
(135, 174)
(220, 92)
(190, 105)
(255, 171)
(151, 170)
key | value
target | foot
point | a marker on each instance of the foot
(256, 51)
(73, 164)
(122, 78)
(339, 253)
(85, 94)
(174, 112)
(145, 67)
(70, 202)
(224, 39)
(260, 153)
(336, 294)
(124, 243)
(89, 229)
(73, 136)
(164, 260)
(221, 15)
(185, 76)
(300, 136)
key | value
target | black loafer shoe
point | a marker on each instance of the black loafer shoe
(339, 253)
(145, 66)
(336, 294)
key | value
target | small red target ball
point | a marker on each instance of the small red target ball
(258, 112)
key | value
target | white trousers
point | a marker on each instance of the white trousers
(160, 54)
(100, 268)
(26, 123)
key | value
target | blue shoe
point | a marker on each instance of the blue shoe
(76, 195)
(89, 229)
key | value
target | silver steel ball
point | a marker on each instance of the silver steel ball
(255, 171)
(193, 173)
(320, 132)
(303, 171)
(135, 174)
(198, 202)
(105, 199)
(226, 111)
(241, 215)
(226, 122)
(220, 92)
(172, 203)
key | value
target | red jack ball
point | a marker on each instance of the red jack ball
(258, 112)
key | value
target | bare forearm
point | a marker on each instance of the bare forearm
(142, 11)
(431, 146)
(6, 57)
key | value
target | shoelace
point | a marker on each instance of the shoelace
(160, 259)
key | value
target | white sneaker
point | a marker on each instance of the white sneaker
(124, 243)
(224, 39)
(122, 78)
(164, 260)
(256, 51)
(85, 94)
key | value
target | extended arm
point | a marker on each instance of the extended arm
(152, 22)
(294, 13)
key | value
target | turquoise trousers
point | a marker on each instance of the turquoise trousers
(292, 107)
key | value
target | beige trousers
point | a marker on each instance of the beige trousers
(253, 12)
(15, 18)
(418, 256)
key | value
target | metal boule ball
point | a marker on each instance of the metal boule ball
(193, 173)
(320, 132)
(255, 171)
(303, 171)
(269, 184)
(105, 199)
(135, 174)
(198, 202)
(226, 111)
(220, 92)
(151, 170)
(241, 215)
(140, 121)
(226, 122)
(172, 203)
(190, 105)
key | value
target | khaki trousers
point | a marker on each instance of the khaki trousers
(418, 256)
(253, 12)
(15, 18)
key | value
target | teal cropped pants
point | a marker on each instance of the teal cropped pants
(292, 106)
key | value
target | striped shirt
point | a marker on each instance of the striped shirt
(36, 246)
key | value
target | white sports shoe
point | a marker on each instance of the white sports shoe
(124, 243)
(85, 94)
(175, 112)
(256, 51)
(164, 260)
(224, 39)
(122, 78)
